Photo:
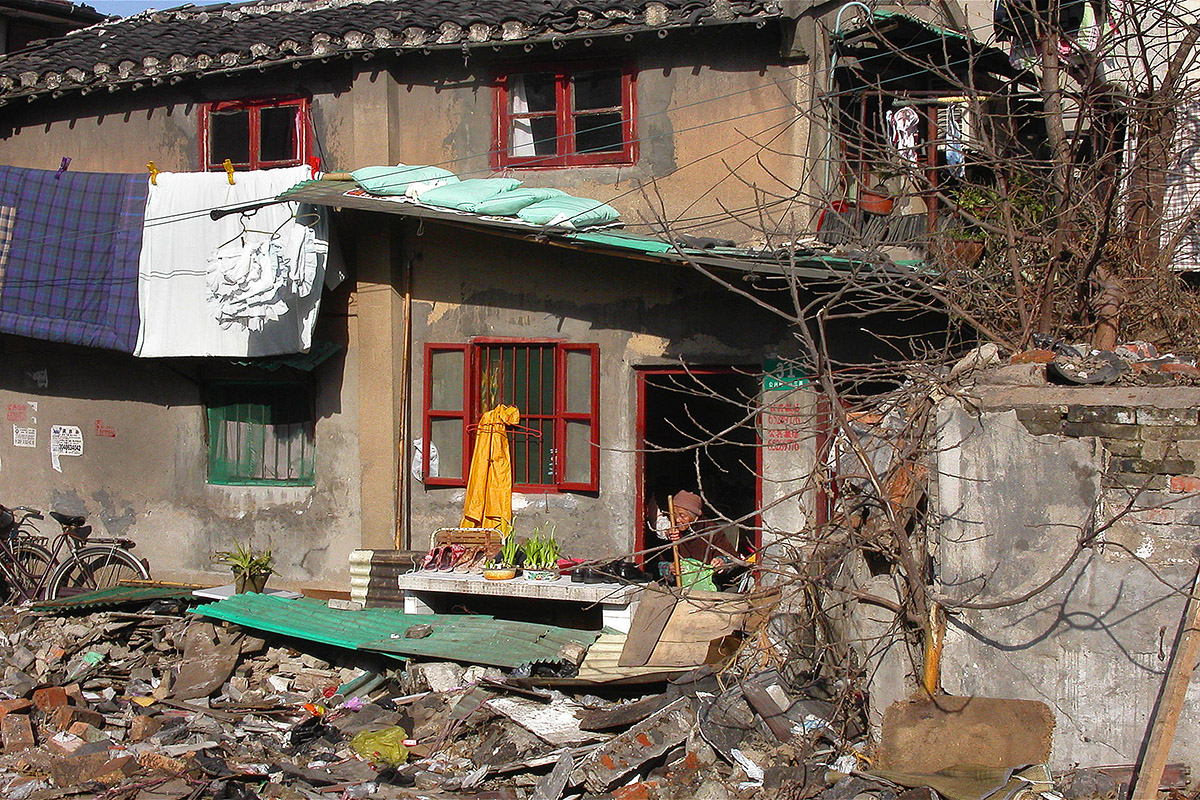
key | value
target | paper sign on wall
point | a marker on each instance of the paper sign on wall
(65, 440)
(24, 437)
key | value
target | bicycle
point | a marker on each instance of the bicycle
(77, 563)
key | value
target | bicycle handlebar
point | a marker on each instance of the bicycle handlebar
(30, 512)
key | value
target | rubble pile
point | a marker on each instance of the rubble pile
(159, 704)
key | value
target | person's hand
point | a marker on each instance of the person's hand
(673, 570)
(672, 534)
(717, 563)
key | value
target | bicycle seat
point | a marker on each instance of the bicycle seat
(66, 520)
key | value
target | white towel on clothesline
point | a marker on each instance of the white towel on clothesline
(239, 286)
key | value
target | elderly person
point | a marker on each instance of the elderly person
(695, 539)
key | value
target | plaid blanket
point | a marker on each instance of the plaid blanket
(69, 252)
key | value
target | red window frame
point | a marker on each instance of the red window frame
(255, 107)
(471, 352)
(563, 113)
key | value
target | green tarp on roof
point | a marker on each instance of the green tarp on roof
(456, 637)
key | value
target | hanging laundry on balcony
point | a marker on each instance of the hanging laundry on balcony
(246, 285)
(69, 246)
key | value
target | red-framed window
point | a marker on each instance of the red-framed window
(256, 134)
(566, 116)
(555, 386)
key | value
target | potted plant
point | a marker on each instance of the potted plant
(541, 558)
(504, 566)
(250, 567)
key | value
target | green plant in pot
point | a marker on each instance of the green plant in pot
(504, 566)
(541, 557)
(251, 567)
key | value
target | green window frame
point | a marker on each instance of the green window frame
(260, 434)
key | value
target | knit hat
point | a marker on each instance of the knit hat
(689, 502)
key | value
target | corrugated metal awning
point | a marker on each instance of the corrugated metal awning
(799, 263)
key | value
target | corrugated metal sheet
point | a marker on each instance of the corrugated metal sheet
(483, 640)
(313, 620)
(602, 664)
(456, 637)
(115, 596)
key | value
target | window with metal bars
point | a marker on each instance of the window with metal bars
(260, 434)
(555, 386)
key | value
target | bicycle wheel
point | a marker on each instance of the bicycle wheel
(94, 568)
(35, 560)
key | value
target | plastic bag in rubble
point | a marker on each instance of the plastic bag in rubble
(386, 745)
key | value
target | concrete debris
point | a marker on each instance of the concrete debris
(161, 705)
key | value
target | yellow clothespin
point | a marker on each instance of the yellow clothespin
(153, 173)
(228, 165)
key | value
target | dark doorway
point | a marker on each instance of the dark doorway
(696, 432)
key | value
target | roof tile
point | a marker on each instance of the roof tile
(191, 39)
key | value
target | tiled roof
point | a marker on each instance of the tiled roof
(159, 46)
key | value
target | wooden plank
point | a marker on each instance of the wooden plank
(551, 787)
(650, 738)
(653, 611)
(1170, 703)
(622, 715)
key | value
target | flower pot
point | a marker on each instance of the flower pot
(958, 253)
(505, 574)
(542, 574)
(246, 582)
(875, 203)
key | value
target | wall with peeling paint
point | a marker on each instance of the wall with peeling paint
(1022, 475)
(142, 474)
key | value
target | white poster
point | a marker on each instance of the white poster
(24, 437)
(65, 440)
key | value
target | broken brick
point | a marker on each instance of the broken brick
(75, 695)
(85, 731)
(117, 769)
(17, 733)
(49, 698)
(143, 727)
(161, 763)
(82, 765)
(642, 790)
(1033, 357)
(13, 705)
(64, 743)
(69, 715)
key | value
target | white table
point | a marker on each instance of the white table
(616, 600)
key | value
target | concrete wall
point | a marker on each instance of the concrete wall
(142, 474)
(1019, 483)
(706, 110)
(467, 284)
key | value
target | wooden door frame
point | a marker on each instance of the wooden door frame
(643, 372)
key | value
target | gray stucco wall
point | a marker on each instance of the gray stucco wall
(1018, 488)
(468, 284)
(147, 480)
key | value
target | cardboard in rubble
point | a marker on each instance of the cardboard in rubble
(683, 627)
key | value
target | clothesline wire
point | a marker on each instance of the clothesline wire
(188, 215)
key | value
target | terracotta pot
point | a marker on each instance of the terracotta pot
(959, 253)
(245, 582)
(875, 203)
